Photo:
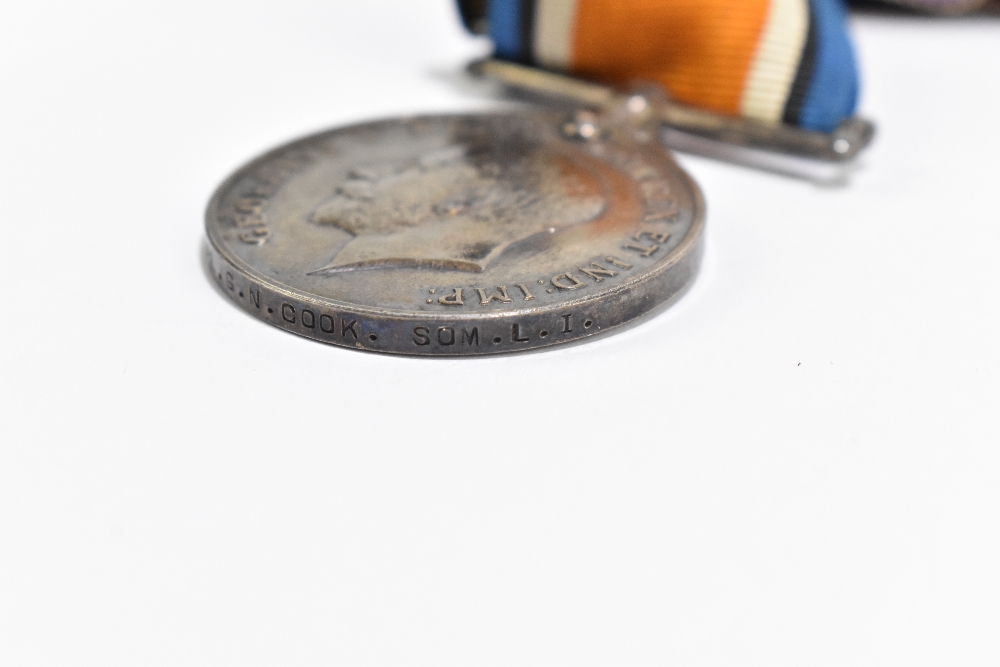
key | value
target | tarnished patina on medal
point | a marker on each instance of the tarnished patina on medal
(457, 235)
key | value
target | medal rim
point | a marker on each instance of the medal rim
(690, 248)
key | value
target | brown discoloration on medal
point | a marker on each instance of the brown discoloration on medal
(455, 235)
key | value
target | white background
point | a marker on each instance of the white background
(797, 464)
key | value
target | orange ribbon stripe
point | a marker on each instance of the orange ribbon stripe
(673, 43)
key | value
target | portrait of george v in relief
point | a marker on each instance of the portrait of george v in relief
(460, 207)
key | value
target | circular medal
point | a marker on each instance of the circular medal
(457, 235)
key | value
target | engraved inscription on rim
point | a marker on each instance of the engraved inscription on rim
(445, 235)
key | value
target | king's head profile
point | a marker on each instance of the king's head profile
(454, 208)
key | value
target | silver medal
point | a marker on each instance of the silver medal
(459, 235)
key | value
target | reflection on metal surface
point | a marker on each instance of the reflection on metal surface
(778, 147)
(459, 235)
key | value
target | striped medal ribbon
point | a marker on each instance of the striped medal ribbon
(786, 68)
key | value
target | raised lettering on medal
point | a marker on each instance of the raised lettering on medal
(500, 294)
(455, 235)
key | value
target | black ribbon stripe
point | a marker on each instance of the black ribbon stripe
(803, 76)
